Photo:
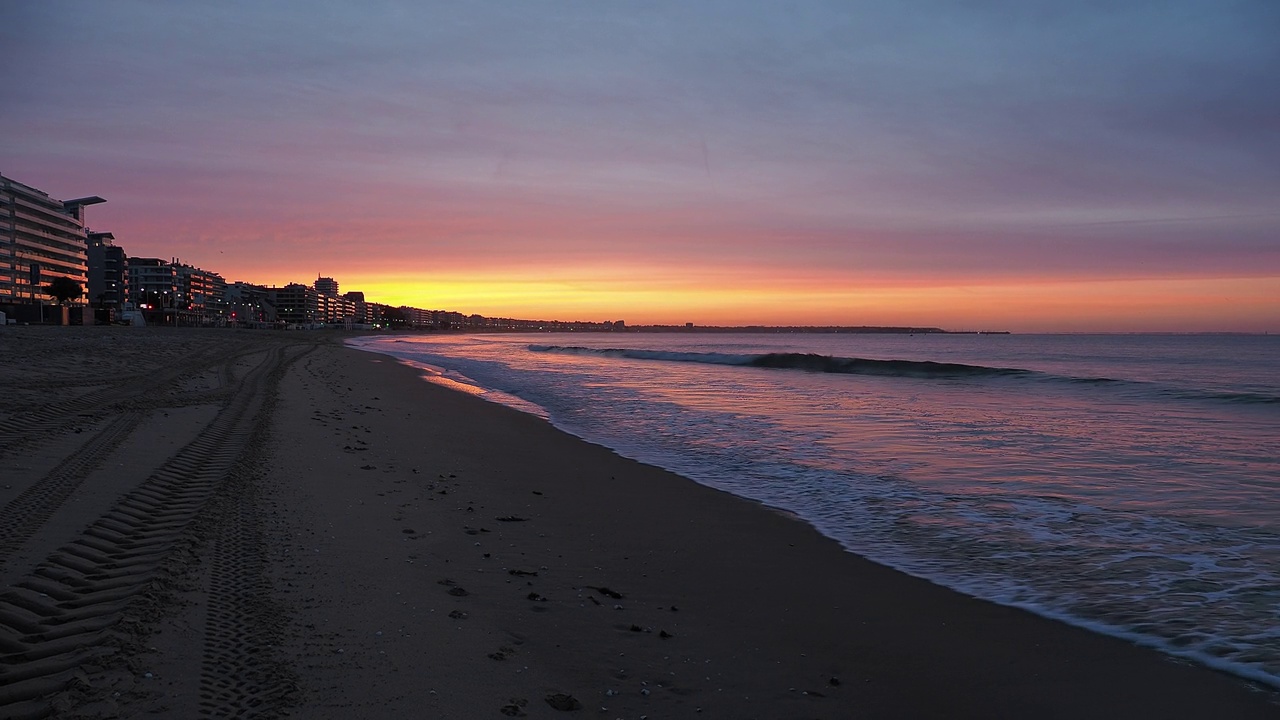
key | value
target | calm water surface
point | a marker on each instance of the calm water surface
(1129, 484)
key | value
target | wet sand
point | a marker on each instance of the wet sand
(271, 524)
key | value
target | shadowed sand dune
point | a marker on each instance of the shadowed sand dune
(221, 523)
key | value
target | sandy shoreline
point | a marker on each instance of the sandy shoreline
(208, 522)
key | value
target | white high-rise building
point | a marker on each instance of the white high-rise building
(40, 239)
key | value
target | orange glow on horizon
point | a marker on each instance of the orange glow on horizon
(644, 296)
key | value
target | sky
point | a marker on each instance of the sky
(1022, 165)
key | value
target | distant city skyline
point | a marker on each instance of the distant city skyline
(1024, 166)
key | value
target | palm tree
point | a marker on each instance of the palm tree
(64, 289)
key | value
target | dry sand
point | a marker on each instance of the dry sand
(212, 523)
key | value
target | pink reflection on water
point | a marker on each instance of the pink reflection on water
(452, 384)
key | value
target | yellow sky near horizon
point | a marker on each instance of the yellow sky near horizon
(1120, 305)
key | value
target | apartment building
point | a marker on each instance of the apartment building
(296, 303)
(249, 304)
(359, 308)
(202, 295)
(41, 239)
(417, 317)
(335, 310)
(108, 271)
(153, 289)
(326, 286)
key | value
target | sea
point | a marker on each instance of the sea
(1128, 484)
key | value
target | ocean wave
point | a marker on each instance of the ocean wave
(810, 362)
(891, 368)
(1245, 398)
(923, 369)
(667, 355)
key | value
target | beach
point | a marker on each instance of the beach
(270, 524)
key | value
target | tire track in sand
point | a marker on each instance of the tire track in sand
(26, 513)
(35, 423)
(239, 677)
(21, 517)
(59, 618)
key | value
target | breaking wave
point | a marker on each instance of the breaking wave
(810, 362)
(924, 369)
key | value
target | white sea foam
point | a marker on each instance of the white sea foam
(457, 381)
(1137, 514)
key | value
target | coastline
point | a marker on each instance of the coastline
(385, 547)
